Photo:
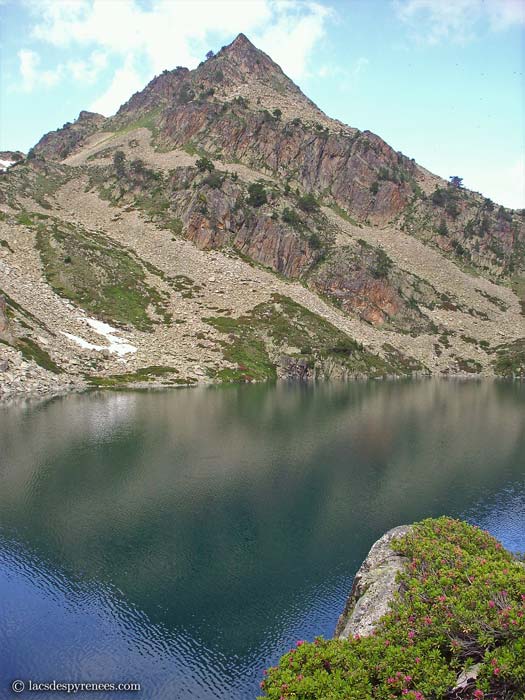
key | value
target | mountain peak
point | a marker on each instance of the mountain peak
(241, 41)
(245, 59)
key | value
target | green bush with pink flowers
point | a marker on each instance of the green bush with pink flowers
(462, 603)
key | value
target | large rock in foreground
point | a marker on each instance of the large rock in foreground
(373, 588)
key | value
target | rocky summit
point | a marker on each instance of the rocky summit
(221, 227)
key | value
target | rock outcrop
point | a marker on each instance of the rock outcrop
(374, 587)
(58, 144)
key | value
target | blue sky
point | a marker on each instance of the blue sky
(440, 80)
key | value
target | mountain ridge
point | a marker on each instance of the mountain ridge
(231, 160)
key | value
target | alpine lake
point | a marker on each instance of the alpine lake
(185, 539)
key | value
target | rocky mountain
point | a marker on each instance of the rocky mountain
(221, 227)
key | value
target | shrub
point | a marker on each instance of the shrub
(374, 187)
(456, 181)
(256, 195)
(382, 264)
(315, 241)
(443, 228)
(119, 159)
(452, 209)
(292, 218)
(204, 164)
(241, 101)
(463, 603)
(214, 180)
(277, 113)
(308, 203)
(439, 197)
(504, 215)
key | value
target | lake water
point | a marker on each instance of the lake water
(186, 539)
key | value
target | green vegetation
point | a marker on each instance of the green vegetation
(345, 215)
(147, 186)
(204, 164)
(144, 374)
(382, 264)
(5, 244)
(258, 340)
(146, 121)
(256, 194)
(36, 182)
(308, 203)
(510, 360)
(518, 286)
(214, 180)
(468, 365)
(462, 603)
(32, 351)
(402, 364)
(101, 277)
(185, 285)
(443, 228)
(292, 218)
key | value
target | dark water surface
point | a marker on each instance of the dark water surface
(185, 540)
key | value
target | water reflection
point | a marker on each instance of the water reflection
(197, 533)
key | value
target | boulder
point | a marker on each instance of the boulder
(374, 587)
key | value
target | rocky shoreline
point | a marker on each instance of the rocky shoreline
(374, 588)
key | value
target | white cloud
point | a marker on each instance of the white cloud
(88, 71)
(31, 74)
(125, 82)
(290, 38)
(433, 21)
(146, 40)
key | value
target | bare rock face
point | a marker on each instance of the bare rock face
(373, 588)
(58, 144)
(12, 156)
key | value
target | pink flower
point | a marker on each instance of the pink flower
(411, 634)
(408, 679)
(496, 671)
(391, 680)
(478, 693)
(491, 603)
(417, 660)
(300, 677)
(299, 643)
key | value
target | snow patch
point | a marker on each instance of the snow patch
(4, 164)
(83, 343)
(117, 345)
